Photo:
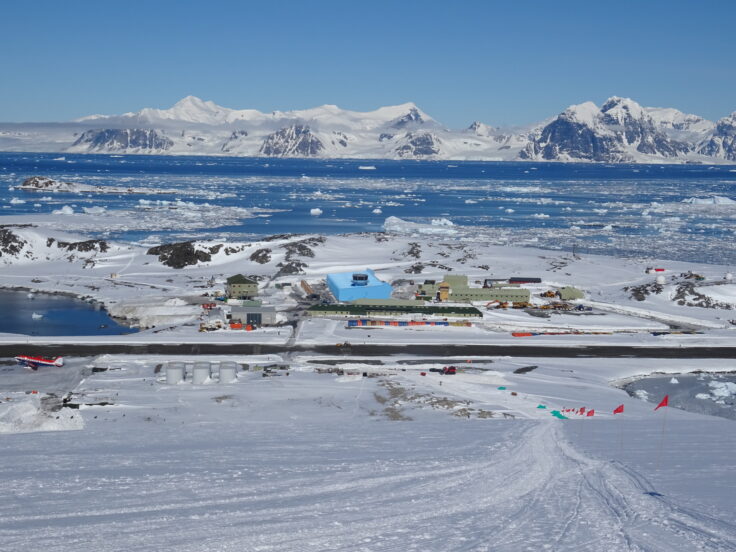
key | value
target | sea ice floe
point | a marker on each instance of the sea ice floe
(722, 389)
(315, 212)
(437, 226)
(712, 200)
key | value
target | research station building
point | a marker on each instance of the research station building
(351, 286)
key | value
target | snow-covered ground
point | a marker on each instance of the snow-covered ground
(401, 461)
(133, 284)
(327, 461)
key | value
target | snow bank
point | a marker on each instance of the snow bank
(26, 415)
(155, 312)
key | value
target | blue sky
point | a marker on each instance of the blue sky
(499, 62)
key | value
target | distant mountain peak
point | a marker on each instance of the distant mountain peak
(480, 129)
(620, 110)
(190, 109)
(585, 113)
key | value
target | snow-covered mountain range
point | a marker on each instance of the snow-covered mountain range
(620, 130)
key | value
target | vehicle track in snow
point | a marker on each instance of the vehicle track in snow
(530, 490)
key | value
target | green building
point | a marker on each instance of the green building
(455, 288)
(393, 310)
(240, 287)
(386, 302)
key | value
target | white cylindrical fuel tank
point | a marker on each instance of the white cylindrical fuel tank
(228, 372)
(174, 373)
(200, 373)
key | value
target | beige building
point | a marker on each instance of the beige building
(455, 287)
(240, 287)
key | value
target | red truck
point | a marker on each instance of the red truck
(449, 370)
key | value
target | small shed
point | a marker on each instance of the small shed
(254, 316)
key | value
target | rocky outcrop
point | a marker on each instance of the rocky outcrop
(87, 246)
(122, 140)
(293, 141)
(21, 245)
(634, 128)
(480, 129)
(11, 244)
(721, 143)
(42, 183)
(261, 256)
(234, 140)
(183, 254)
(565, 138)
(340, 139)
(418, 144)
(413, 117)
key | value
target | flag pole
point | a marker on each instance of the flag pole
(665, 404)
(620, 410)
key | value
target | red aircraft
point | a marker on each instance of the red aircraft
(34, 362)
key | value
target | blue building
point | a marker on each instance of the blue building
(349, 286)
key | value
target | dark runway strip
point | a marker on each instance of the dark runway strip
(460, 351)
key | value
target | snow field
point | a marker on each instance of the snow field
(315, 462)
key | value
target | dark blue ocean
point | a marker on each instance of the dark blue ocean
(45, 314)
(629, 210)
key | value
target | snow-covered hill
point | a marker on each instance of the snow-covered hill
(619, 131)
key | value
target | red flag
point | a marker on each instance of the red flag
(664, 402)
(582, 410)
(619, 409)
(591, 412)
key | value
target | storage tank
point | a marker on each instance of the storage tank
(174, 373)
(201, 373)
(661, 280)
(228, 372)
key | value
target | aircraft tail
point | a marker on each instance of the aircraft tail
(59, 361)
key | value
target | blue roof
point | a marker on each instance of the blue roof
(341, 286)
